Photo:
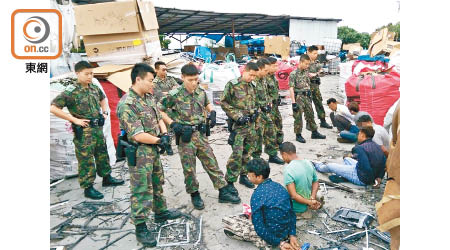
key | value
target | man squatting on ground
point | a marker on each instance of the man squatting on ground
(185, 110)
(141, 119)
(238, 102)
(342, 119)
(88, 110)
(300, 93)
(367, 169)
(300, 179)
(272, 222)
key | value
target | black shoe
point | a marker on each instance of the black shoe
(111, 181)
(92, 193)
(227, 196)
(276, 159)
(317, 135)
(169, 150)
(343, 140)
(232, 188)
(324, 124)
(169, 214)
(300, 138)
(337, 179)
(243, 179)
(144, 236)
(197, 201)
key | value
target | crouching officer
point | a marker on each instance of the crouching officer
(141, 119)
(299, 88)
(239, 103)
(84, 100)
(189, 106)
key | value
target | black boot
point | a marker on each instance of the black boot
(144, 236)
(169, 214)
(243, 179)
(300, 138)
(92, 193)
(232, 188)
(227, 196)
(276, 159)
(111, 181)
(169, 150)
(324, 124)
(316, 135)
(197, 201)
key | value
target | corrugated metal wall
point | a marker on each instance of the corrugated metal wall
(313, 32)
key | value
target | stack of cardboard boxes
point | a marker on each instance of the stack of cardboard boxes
(382, 43)
(119, 32)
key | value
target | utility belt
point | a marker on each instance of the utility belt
(302, 92)
(93, 122)
(249, 118)
(315, 81)
(129, 149)
(187, 130)
(266, 109)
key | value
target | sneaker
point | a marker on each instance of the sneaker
(337, 179)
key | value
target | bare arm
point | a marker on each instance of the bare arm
(209, 108)
(162, 126)
(298, 198)
(103, 105)
(63, 115)
(166, 118)
(385, 151)
(146, 138)
(314, 189)
(292, 94)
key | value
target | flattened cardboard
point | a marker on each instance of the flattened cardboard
(279, 45)
(106, 70)
(122, 80)
(379, 42)
(148, 14)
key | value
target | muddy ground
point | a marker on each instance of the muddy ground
(83, 222)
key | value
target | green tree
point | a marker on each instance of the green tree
(164, 42)
(350, 35)
(392, 28)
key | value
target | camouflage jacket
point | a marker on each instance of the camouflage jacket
(272, 88)
(138, 114)
(186, 108)
(262, 97)
(314, 67)
(299, 80)
(238, 98)
(160, 85)
(82, 102)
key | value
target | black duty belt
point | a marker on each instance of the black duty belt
(97, 122)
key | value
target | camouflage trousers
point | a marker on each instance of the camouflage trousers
(304, 103)
(317, 100)
(242, 229)
(278, 122)
(92, 156)
(146, 184)
(266, 133)
(236, 165)
(199, 147)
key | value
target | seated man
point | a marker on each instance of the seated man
(381, 136)
(353, 107)
(301, 182)
(272, 220)
(343, 120)
(367, 169)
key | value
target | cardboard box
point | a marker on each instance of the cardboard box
(115, 17)
(279, 45)
(189, 48)
(353, 48)
(221, 52)
(104, 71)
(122, 80)
(101, 44)
(380, 41)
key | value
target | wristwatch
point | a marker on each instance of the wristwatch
(105, 112)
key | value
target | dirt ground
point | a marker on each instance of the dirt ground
(212, 236)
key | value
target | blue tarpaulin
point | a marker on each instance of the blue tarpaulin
(215, 37)
(203, 52)
(229, 40)
(367, 58)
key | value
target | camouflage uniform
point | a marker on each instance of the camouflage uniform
(84, 103)
(190, 109)
(316, 96)
(265, 128)
(299, 80)
(243, 229)
(136, 115)
(161, 86)
(238, 100)
(273, 91)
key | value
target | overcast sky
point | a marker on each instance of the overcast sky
(362, 15)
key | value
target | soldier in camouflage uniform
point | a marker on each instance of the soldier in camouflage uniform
(300, 92)
(238, 102)
(84, 100)
(162, 85)
(265, 127)
(141, 119)
(314, 70)
(273, 88)
(189, 121)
